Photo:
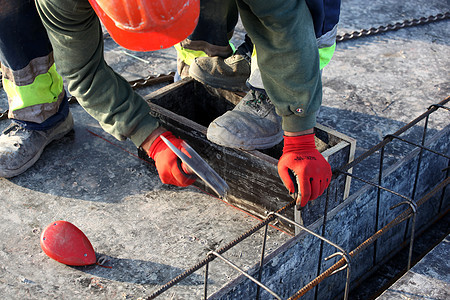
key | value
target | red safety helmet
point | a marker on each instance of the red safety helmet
(147, 25)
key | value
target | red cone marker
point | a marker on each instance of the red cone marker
(65, 243)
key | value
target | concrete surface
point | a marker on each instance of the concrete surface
(151, 232)
(428, 279)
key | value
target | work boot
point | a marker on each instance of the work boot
(182, 70)
(230, 73)
(20, 148)
(252, 124)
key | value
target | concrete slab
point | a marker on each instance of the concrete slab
(428, 279)
(151, 232)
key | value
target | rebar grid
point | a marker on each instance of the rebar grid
(345, 261)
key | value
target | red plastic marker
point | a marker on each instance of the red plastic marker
(65, 243)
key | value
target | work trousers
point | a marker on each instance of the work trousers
(214, 29)
(35, 91)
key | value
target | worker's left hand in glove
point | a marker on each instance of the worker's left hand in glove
(169, 166)
(303, 169)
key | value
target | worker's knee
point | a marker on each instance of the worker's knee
(65, 13)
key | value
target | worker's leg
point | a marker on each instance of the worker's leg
(232, 73)
(288, 58)
(35, 89)
(284, 38)
(38, 106)
(77, 39)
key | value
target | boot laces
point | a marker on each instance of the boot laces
(12, 128)
(258, 100)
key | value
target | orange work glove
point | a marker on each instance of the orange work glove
(169, 166)
(302, 166)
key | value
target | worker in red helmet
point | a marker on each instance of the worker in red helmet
(150, 24)
(281, 30)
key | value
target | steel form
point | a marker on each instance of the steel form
(346, 257)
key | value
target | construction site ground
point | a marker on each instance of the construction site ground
(150, 232)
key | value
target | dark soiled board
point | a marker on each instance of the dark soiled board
(187, 107)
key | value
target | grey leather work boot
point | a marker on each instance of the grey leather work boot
(182, 69)
(252, 124)
(20, 148)
(230, 73)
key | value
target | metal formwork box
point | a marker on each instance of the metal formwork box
(187, 107)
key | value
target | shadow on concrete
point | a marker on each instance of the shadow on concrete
(138, 272)
(90, 165)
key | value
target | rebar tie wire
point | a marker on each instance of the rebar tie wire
(241, 271)
(344, 262)
(405, 215)
(377, 147)
(345, 256)
(222, 250)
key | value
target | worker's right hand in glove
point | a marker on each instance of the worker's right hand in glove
(169, 166)
(302, 166)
